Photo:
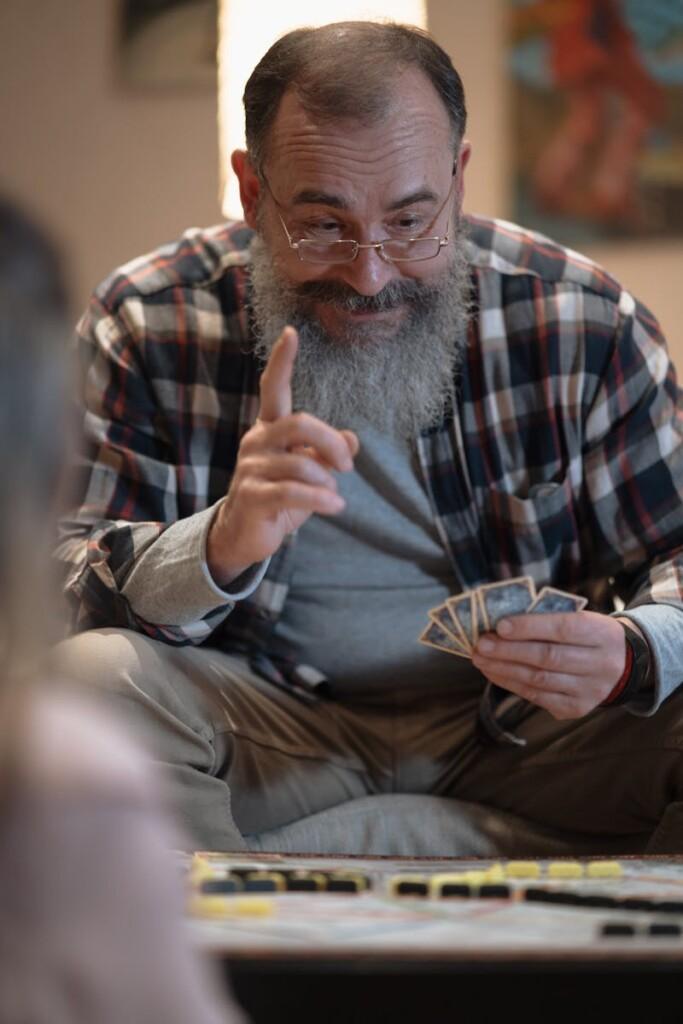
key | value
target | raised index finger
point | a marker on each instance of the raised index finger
(276, 379)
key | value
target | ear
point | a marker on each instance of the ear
(460, 165)
(249, 185)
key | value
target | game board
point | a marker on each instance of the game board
(643, 906)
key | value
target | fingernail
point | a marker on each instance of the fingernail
(486, 646)
(505, 627)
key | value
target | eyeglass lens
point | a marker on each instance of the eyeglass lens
(393, 249)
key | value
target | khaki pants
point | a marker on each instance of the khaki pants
(247, 759)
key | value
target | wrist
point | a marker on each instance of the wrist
(636, 679)
(223, 572)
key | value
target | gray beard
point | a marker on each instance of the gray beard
(399, 380)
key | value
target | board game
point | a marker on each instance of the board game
(283, 907)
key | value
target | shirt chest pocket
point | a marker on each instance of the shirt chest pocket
(535, 533)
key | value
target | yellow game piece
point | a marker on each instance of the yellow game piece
(565, 869)
(604, 869)
(495, 874)
(522, 869)
(200, 869)
(409, 885)
(230, 906)
(475, 877)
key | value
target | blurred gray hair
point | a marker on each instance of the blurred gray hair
(33, 381)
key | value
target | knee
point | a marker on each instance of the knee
(103, 659)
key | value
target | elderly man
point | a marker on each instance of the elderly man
(305, 432)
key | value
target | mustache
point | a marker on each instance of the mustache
(415, 294)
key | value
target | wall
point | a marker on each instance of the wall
(112, 173)
(115, 173)
(474, 35)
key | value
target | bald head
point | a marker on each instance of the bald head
(346, 71)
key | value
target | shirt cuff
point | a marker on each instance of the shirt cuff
(661, 625)
(171, 584)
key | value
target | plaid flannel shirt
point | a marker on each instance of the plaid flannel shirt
(562, 457)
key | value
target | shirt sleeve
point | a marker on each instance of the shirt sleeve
(133, 550)
(661, 626)
(634, 475)
(171, 581)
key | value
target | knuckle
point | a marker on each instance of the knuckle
(551, 655)
(301, 420)
(251, 440)
(566, 630)
(249, 489)
(538, 677)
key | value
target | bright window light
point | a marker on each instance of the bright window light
(248, 27)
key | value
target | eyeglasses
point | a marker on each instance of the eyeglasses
(391, 250)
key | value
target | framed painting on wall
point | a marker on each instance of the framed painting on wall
(168, 43)
(597, 117)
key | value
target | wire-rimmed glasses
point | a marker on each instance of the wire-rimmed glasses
(345, 250)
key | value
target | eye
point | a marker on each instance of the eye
(321, 227)
(409, 223)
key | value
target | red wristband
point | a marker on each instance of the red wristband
(621, 682)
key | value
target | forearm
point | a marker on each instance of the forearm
(150, 577)
(171, 582)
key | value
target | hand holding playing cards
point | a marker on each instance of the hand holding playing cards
(284, 473)
(566, 663)
(540, 646)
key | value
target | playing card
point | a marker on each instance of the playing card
(435, 636)
(465, 611)
(443, 617)
(507, 597)
(551, 600)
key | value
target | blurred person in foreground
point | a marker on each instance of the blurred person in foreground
(305, 431)
(90, 899)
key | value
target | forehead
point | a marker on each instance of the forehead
(411, 143)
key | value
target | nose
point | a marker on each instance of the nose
(368, 273)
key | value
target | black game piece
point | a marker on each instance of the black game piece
(635, 903)
(494, 891)
(342, 885)
(301, 884)
(611, 928)
(564, 899)
(220, 886)
(664, 928)
(347, 881)
(596, 901)
(409, 888)
(260, 885)
(668, 907)
(458, 889)
(534, 895)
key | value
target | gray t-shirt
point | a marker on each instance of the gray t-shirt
(364, 580)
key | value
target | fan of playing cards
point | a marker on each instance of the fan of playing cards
(455, 626)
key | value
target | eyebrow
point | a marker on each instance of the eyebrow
(319, 198)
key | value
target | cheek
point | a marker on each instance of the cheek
(428, 271)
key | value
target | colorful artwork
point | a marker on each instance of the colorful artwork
(168, 43)
(597, 118)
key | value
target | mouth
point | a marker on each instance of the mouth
(337, 312)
